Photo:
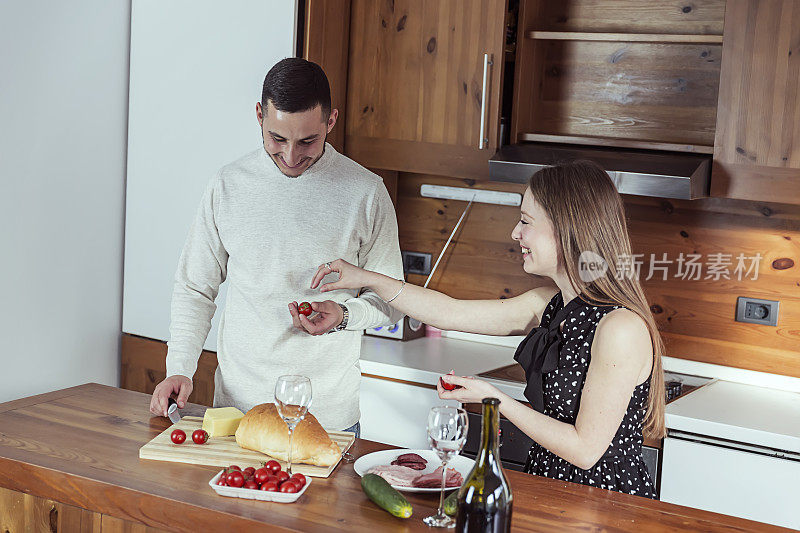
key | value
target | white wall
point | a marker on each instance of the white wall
(63, 116)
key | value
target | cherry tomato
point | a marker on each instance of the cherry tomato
(249, 471)
(273, 465)
(448, 386)
(223, 477)
(178, 436)
(234, 467)
(282, 476)
(250, 484)
(270, 486)
(298, 479)
(289, 487)
(305, 309)
(235, 479)
(261, 475)
(199, 436)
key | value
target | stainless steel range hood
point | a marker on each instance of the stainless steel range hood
(640, 172)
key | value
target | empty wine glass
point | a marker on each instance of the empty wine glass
(447, 432)
(292, 396)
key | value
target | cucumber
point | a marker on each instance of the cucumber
(379, 491)
(451, 503)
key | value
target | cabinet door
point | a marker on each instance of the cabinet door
(25, 512)
(397, 413)
(757, 144)
(730, 481)
(415, 86)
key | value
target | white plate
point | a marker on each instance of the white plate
(461, 464)
(254, 494)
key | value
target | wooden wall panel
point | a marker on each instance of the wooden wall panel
(482, 261)
(695, 317)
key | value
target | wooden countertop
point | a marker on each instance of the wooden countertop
(80, 446)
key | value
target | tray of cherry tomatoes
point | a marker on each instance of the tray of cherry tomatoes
(268, 483)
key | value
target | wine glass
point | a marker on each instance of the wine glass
(447, 432)
(292, 396)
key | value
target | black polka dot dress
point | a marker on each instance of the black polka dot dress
(621, 468)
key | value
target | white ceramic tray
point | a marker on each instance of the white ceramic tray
(255, 494)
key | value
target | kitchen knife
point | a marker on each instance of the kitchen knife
(172, 411)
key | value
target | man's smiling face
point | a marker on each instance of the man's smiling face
(294, 141)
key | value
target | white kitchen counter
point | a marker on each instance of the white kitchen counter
(739, 412)
(423, 360)
(758, 415)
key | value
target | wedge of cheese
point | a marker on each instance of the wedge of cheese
(222, 421)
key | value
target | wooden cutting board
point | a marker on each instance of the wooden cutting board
(223, 451)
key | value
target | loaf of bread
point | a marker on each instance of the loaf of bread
(263, 430)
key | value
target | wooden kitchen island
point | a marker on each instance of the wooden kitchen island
(69, 461)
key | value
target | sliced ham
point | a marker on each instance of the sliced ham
(400, 476)
(434, 479)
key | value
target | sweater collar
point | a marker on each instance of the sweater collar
(318, 168)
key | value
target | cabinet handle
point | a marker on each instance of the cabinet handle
(483, 140)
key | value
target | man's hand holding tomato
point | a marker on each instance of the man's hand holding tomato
(328, 316)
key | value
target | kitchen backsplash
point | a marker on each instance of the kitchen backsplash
(694, 306)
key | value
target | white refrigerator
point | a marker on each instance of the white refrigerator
(196, 72)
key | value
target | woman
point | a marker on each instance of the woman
(593, 365)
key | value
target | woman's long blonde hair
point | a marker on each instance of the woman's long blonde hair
(588, 215)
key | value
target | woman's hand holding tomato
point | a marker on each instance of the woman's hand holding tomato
(467, 389)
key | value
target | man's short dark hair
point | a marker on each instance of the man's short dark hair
(294, 85)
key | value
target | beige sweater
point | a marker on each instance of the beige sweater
(266, 234)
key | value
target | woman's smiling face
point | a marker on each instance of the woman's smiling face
(536, 236)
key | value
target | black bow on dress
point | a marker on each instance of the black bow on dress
(538, 352)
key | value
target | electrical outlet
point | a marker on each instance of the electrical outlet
(756, 311)
(416, 263)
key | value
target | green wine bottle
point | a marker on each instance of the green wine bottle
(484, 500)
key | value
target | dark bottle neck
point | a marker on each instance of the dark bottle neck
(489, 451)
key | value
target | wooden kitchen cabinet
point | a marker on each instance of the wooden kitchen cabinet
(757, 144)
(416, 96)
(20, 512)
(621, 73)
(24, 512)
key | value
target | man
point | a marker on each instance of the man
(264, 223)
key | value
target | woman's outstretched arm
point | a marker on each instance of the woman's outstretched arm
(511, 316)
